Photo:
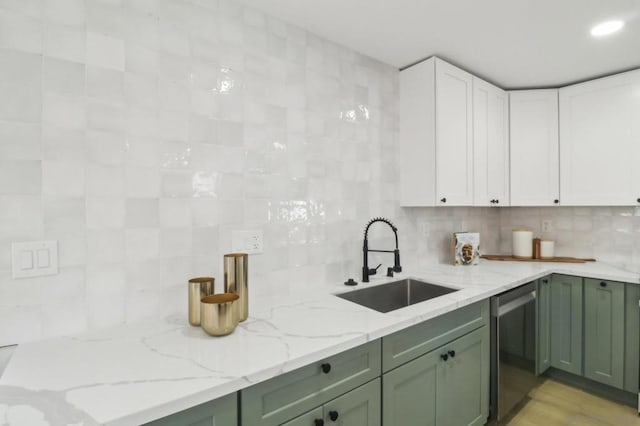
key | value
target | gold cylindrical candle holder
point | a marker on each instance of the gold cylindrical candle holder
(198, 288)
(236, 278)
(219, 313)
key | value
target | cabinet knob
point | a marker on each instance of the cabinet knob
(444, 357)
(545, 281)
(638, 200)
(318, 422)
(603, 284)
(556, 201)
(326, 367)
(452, 354)
(444, 200)
(333, 415)
(497, 201)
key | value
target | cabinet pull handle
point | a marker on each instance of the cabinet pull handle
(603, 284)
(318, 422)
(452, 354)
(326, 367)
(444, 357)
(444, 200)
(545, 281)
(333, 415)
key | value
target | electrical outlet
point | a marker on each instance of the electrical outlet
(247, 241)
(547, 226)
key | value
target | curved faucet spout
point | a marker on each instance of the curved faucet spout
(366, 272)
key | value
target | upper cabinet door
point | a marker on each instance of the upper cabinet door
(600, 142)
(417, 135)
(490, 144)
(454, 136)
(534, 147)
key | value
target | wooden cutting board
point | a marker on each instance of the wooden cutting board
(519, 259)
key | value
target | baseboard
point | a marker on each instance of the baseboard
(588, 385)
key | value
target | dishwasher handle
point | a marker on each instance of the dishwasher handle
(515, 303)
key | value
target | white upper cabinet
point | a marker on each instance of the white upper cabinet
(490, 144)
(534, 164)
(417, 135)
(600, 142)
(436, 135)
(454, 136)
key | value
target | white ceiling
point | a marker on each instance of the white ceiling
(513, 43)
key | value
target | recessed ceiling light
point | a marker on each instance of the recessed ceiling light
(606, 28)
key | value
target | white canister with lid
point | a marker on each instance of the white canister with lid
(522, 243)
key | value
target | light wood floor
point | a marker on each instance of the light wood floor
(553, 403)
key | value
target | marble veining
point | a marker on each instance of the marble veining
(131, 374)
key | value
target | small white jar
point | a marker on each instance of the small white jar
(547, 249)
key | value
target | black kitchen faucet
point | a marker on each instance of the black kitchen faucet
(365, 249)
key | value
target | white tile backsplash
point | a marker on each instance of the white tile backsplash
(149, 130)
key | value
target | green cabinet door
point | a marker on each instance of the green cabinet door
(448, 386)
(312, 418)
(566, 323)
(462, 394)
(220, 412)
(409, 392)
(543, 322)
(360, 407)
(632, 337)
(604, 332)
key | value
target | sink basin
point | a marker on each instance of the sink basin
(395, 295)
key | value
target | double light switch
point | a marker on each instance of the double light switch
(34, 259)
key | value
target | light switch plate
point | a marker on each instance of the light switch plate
(34, 259)
(247, 241)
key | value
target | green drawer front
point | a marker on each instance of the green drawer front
(408, 344)
(220, 412)
(308, 419)
(284, 397)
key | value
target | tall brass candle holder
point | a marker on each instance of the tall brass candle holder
(236, 279)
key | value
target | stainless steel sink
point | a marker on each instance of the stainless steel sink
(395, 295)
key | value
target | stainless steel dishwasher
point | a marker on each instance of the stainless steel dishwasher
(513, 349)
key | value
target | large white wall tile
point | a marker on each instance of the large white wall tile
(20, 103)
(105, 51)
(20, 32)
(20, 177)
(63, 179)
(65, 42)
(62, 76)
(20, 141)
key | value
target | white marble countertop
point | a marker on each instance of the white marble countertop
(136, 373)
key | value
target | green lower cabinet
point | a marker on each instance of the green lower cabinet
(449, 386)
(604, 332)
(409, 392)
(543, 322)
(632, 335)
(285, 397)
(566, 323)
(360, 407)
(220, 412)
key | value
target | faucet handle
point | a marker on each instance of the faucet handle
(373, 271)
